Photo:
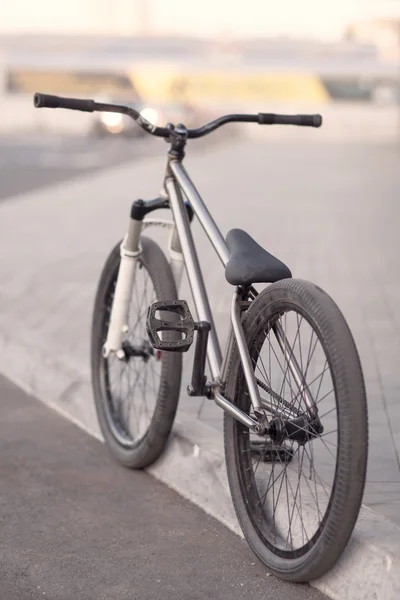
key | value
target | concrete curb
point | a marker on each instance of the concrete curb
(194, 466)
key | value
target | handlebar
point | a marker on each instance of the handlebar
(48, 101)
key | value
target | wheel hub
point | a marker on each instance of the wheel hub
(144, 350)
(301, 430)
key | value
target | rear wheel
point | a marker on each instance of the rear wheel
(297, 492)
(136, 398)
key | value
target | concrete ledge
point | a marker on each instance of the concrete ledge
(193, 465)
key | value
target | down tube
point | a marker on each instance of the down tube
(194, 273)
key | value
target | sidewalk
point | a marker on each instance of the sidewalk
(76, 526)
(338, 229)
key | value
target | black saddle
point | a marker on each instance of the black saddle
(249, 263)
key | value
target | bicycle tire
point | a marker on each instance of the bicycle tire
(150, 446)
(352, 453)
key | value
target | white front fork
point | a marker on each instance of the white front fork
(126, 278)
(122, 297)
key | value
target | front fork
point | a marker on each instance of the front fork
(130, 250)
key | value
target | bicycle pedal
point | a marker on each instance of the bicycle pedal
(270, 452)
(183, 325)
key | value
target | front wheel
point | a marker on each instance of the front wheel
(297, 492)
(136, 397)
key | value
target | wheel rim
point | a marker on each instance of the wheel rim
(288, 498)
(131, 386)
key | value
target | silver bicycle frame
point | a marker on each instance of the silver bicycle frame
(178, 184)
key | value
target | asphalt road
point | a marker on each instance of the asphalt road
(29, 162)
(76, 526)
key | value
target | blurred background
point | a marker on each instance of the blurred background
(181, 61)
(325, 201)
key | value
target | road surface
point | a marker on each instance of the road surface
(75, 525)
(28, 162)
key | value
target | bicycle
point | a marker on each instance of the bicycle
(275, 427)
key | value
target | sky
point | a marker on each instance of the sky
(324, 19)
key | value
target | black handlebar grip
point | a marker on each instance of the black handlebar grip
(301, 120)
(48, 101)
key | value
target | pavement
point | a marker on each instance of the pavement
(76, 526)
(328, 209)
